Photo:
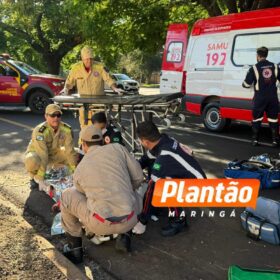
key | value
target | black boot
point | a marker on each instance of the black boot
(174, 226)
(73, 250)
(255, 136)
(275, 137)
(34, 185)
(123, 242)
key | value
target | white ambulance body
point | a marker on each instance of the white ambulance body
(219, 54)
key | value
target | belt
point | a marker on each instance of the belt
(114, 220)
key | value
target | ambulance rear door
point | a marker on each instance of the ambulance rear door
(174, 58)
(238, 100)
(205, 63)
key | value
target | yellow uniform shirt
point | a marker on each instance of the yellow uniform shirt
(49, 145)
(91, 83)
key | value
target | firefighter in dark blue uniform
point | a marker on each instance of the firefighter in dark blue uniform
(264, 75)
(172, 160)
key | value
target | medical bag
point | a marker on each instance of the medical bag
(261, 167)
(263, 223)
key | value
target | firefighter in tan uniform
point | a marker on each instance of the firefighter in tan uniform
(51, 143)
(104, 199)
(89, 77)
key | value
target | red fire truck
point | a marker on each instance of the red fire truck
(21, 84)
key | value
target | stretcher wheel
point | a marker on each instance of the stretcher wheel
(166, 122)
(181, 118)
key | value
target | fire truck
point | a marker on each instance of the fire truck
(21, 84)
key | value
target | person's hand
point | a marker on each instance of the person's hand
(41, 183)
(119, 91)
(139, 228)
(56, 207)
(43, 186)
(64, 92)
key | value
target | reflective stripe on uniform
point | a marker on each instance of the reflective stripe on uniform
(258, 120)
(276, 73)
(257, 77)
(123, 219)
(183, 162)
(246, 85)
(154, 178)
(272, 120)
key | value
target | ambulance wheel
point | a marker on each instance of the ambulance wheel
(181, 118)
(166, 122)
(38, 101)
(212, 118)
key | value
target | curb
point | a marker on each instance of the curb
(47, 249)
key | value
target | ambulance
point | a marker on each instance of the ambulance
(210, 66)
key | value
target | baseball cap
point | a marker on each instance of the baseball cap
(86, 52)
(91, 134)
(52, 108)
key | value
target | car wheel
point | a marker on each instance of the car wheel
(212, 118)
(38, 101)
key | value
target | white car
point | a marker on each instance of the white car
(124, 82)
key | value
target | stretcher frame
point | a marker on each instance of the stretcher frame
(163, 107)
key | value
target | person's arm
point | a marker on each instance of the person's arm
(107, 78)
(110, 82)
(278, 73)
(71, 154)
(146, 162)
(77, 180)
(70, 82)
(40, 146)
(134, 169)
(159, 169)
(249, 79)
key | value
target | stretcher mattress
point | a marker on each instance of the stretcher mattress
(118, 100)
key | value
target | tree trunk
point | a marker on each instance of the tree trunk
(52, 62)
(232, 6)
(211, 7)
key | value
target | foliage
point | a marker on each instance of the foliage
(50, 27)
(47, 33)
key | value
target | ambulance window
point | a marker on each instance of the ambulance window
(174, 52)
(245, 46)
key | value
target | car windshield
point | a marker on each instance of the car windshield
(25, 68)
(122, 77)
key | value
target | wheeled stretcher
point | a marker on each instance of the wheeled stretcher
(162, 107)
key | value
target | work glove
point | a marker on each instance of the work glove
(139, 228)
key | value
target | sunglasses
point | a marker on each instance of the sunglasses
(55, 115)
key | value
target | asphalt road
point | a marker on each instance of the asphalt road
(213, 150)
(210, 245)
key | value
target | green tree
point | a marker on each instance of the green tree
(221, 7)
(51, 28)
